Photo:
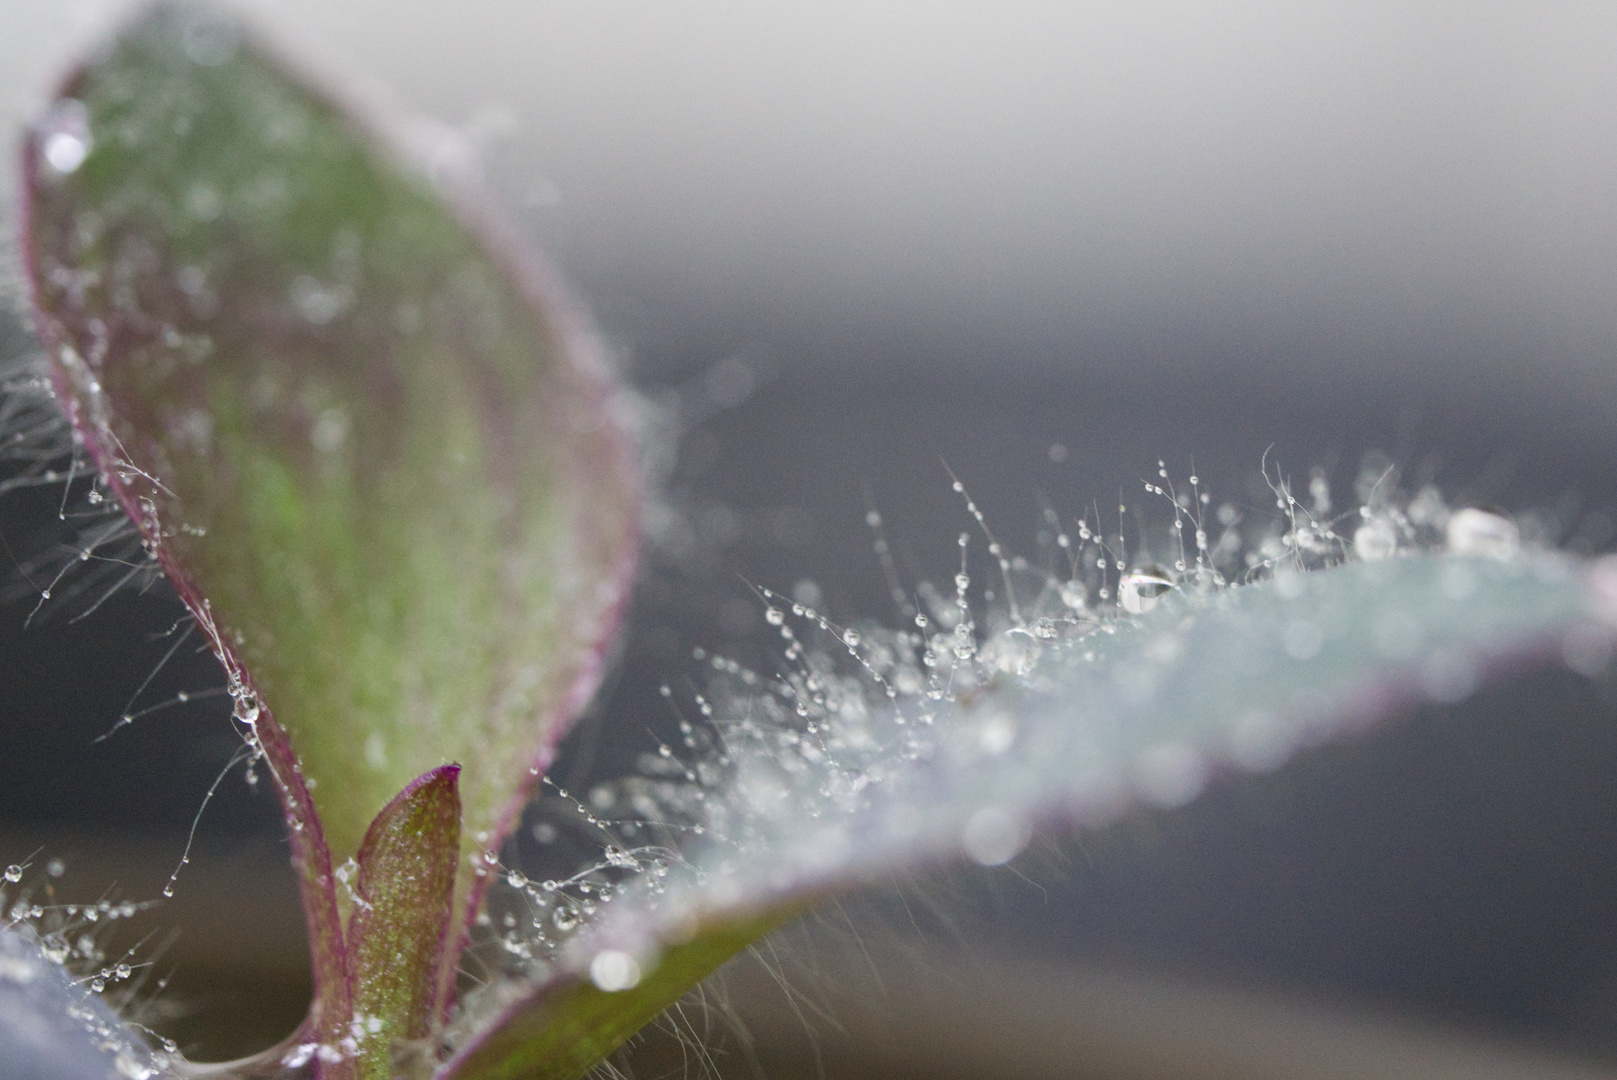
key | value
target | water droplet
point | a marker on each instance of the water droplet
(1448, 676)
(612, 970)
(299, 1056)
(774, 616)
(1482, 534)
(993, 837)
(1376, 539)
(13, 873)
(131, 1067)
(996, 734)
(330, 430)
(1587, 650)
(317, 303)
(1303, 639)
(1171, 775)
(204, 203)
(209, 38)
(1140, 590)
(64, 136)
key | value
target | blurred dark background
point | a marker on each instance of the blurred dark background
(837, 247)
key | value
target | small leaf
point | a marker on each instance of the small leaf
(376, 454)
(400, 927)
(1080, 726)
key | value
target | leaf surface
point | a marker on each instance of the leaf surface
(1145, 710)
(378, 455)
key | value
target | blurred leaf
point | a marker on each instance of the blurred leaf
(1072, 730)
(54, 1027)
(372, 440)
(403, 887)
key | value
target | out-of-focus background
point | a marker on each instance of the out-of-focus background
(837, 245)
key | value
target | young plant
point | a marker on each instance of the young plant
(381, 462)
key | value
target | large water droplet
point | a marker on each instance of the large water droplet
(316, 302)
(1140, 590)
(612, 970)
(1376, 539)
(64, 136)
(131, 1067)
(1482, 534)
(993, 837)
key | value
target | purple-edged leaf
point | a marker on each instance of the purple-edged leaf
(378, 456)
(1046, 727)
(403, 889)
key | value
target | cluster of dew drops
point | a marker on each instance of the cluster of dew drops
(100, 554)
(73, 936)
(846, 706)
(760, 754)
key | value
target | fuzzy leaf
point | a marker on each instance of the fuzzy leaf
(400, 927)
(376, 453)
(1066, 730)
(55, 1027)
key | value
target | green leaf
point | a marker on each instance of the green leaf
(400, 928)
(562, 1029)
(378, 455)
(1046, 733)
